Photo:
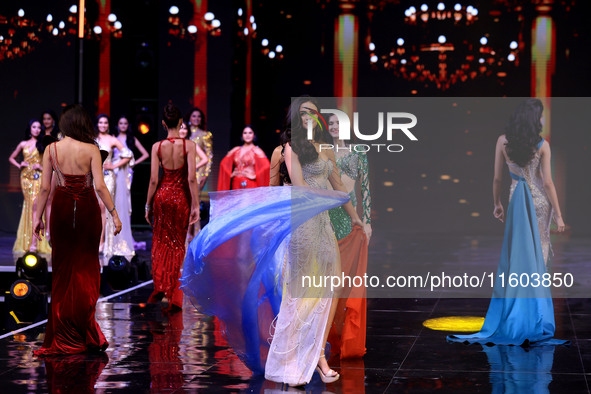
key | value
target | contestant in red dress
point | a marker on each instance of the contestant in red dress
(244, 166)
(174, 204)
(75, 226)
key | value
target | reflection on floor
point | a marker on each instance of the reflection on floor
(185, 352)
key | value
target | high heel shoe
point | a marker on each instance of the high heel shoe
(329, 377)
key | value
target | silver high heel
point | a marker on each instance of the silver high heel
(331, 376)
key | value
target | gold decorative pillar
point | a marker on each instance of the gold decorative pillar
(346, 54)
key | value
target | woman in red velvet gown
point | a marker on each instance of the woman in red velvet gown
(75, 228)
(174, 204)
(244, 166)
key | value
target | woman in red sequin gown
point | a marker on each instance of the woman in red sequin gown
(174, 204)
(75, 226)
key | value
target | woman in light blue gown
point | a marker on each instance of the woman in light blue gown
(523, 315)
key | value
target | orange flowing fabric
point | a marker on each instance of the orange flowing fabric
(347, 334)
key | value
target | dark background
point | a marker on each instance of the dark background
(46, 78)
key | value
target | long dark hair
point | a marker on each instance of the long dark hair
(54, 132)
(129, 137)
(523, 131)
(298, 131)
(284, 139)
(28, 130)
(188, 117)
(76, 123)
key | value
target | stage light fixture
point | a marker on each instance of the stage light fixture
(25, 304)
(120, 273)
(33, 268)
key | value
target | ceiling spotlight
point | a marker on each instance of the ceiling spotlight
(209, 16)
(279, 49)
(97, 30)
(216, 23)
(265, 42)
(441, 39)
(173, 10)
(513, 45)
(400, 41)
(483, 40)
(192, 29)
(49, 18)
(112, 18)
(271, 55)
(118, 25)
(21, 13)
(74, 9)
(372, 46)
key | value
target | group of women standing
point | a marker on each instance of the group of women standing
(246, 266)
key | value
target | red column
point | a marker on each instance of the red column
(104, 85)
(200, 56)
(248, 90)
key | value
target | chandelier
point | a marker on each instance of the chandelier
(248, 27)
(19, 35)
(179, 29)
(439, 46)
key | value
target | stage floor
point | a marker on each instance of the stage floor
(185, 352)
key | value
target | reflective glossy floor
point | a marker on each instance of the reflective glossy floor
(153, 352)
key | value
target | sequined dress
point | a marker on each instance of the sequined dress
(122, 243)
(30, 185)
(301, 323)
(75, 226)
(354, 165)
(522, 315)
(205, 141)
(171, 207)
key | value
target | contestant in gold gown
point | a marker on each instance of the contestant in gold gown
(31, 172)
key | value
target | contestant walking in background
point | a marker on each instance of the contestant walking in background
(347, 335)
(75, 224)
(244, 166)
(173, 202)
(523, 315)
(108, 143)
(31, 178)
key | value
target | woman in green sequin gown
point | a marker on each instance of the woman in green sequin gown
(347, 334)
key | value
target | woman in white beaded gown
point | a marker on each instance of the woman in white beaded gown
(109, 143)
(306, 313)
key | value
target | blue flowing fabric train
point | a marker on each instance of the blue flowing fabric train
(518, 315)
(233, 267)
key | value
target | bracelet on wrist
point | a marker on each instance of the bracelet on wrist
(148, 207)
(112, 210)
